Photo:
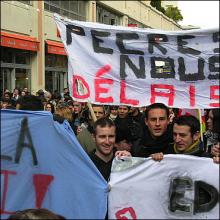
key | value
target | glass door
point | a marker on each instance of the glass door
(55, 80)
(5, 79)
(22, 78)
(49, 81)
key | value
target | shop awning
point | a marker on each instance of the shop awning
(19, 41)
(55, 48)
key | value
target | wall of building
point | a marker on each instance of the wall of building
(20, 18)
(17, 17)
(142, 12)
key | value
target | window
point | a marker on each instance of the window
(6, 55)
(22, 57)
(106, 17)
(16, 56)
(71, 9)
(55, 61)
(21, 78)
(15, 68)
(26, 2)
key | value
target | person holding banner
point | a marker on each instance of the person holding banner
(103, 155)
(186, 136)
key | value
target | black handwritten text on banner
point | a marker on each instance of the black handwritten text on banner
(119, 65)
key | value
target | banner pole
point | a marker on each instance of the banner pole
(201, 124)
(81, 89)
(92, 112)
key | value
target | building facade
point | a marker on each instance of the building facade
(32, 54)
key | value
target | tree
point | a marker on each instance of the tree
(174, 13)
(157, 4)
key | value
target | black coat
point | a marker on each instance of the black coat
(149, 145)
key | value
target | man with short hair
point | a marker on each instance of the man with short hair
(157, 134)
(104, 137)
(186, 136)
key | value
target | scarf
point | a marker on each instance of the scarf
(190, 150)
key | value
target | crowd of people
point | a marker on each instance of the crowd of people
(106, 131)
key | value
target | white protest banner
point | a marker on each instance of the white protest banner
(178, 187)
(137, 67)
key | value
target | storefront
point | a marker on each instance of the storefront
(16, 54)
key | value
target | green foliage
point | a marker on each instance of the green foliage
(171, 12)
(174, 13)
(157, 4)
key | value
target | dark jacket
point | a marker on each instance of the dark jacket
(128, 129)
(149, 145)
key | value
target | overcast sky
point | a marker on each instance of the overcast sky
(204, 14)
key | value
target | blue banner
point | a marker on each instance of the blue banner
(43, 166)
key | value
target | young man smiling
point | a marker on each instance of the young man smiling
(103, 155)
(186, 136)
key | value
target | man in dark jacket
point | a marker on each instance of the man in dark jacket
(157, 135)
(103, 155)
(186, 136)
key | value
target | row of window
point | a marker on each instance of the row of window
(10, 55)
(16, 70)
(11, 78)
(71, 9)
(77, 10)
(15, 56)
